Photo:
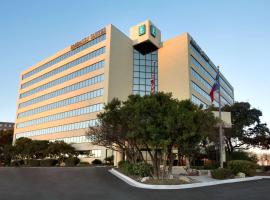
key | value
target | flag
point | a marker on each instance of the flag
(215, 87)
(153, 84)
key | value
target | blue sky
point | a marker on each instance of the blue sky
(234, 34)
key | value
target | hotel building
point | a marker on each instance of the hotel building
(60, 96)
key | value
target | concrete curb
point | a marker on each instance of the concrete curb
(137, 184)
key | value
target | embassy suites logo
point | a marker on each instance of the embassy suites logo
(142, 30)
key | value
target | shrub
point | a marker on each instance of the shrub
(48, 162)
(34, 163)
(212, 165)
(139, 169)
(84, 164)
(222, 173)
(126, 167)
(142, 169)
(244, 166)
(17, 163)
(97, 162)
(71, 161)
(266, 168)
(241, 155)
(109, 159)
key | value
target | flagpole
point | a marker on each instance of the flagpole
(221, 142)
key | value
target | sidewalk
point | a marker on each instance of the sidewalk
(205, 181)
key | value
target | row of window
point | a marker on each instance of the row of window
(144, 68)
(142, 92)
(144, 75)
(208, 86)
(207, 74)
(64, 56)
(209, 66)
(63, 79)
(202, 92)
(62, 115)
(145, 62)
(74, 140)
(143, 87)
(65, 102)
(65, 67)
(144, 81)
(58, 129)
(212, 69)
(198, 102)
(64, 90)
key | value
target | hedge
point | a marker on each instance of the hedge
(34, 163)
(48, 162)
(222, 173)
(138, 169)
(97, 162)
(72, 161)
(244, 166)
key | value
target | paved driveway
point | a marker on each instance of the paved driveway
(97, 183)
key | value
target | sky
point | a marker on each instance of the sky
(235, 34)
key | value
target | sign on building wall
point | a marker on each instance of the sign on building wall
(153, 30)
(141, 30)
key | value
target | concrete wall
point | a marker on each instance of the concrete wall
(173, 70)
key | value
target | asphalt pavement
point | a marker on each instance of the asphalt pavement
(96, 183)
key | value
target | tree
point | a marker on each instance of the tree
(60, 149)
(6, 150)
(6, 137)
(156, 123)
(247, 129)
(193, 125)
(29, 149)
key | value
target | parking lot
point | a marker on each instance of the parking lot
(98, 183)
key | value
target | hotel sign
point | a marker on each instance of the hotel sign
(141, 30)
(88, 38)
(153, 30)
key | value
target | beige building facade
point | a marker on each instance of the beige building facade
(60, 96)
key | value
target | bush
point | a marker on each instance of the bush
(109, 159)
(244, 166)
(71, 161)
(34, 163)
(266, 168)
(139, 169)
(17, 163)
(222, 173)
(84, 164)
(241, 155)
(48, 162)
(142, 169)
(126, 167)
(213, 165)
(97, 162)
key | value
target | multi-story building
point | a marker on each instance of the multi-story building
(60, 96)
(6, 126)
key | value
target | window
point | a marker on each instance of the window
(65, 67)
(72, 100)
(64, 56)
(143, 68)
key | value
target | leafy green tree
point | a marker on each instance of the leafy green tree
(247, 129)
(60, 149)
(6, 138)
(27, 148)
(156, 123)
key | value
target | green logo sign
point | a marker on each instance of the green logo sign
(141, 30)
(153, 31)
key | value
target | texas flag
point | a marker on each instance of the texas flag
(215, 87)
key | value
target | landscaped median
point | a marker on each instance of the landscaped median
(137, 184)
